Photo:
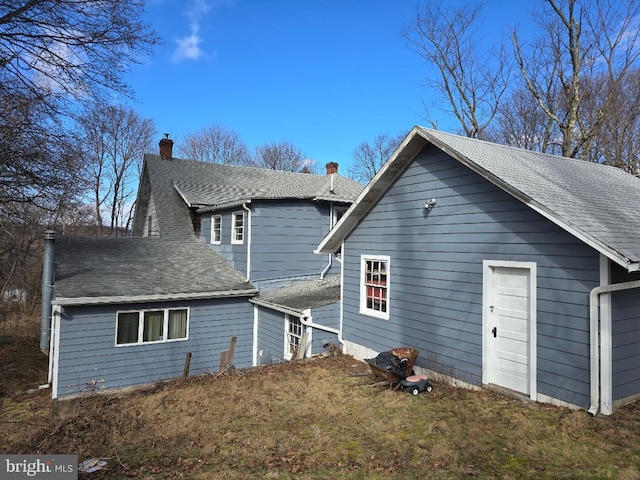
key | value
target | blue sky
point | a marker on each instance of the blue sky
(322, 75)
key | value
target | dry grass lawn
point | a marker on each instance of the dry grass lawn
(311, 419)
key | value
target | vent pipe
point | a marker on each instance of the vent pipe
(48, 273)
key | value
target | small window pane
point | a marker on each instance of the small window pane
(216, 230)
(153, 326)
(294, 335)
(177, 324)
(238, 227)
(375, 287)
(127, 328)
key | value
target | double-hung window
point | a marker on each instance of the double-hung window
(237, 227)
(374, 285)
(151, 326)
(216, 229)
(293, 336)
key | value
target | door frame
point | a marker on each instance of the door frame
(488, 267)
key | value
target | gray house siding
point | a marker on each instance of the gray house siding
(234, 254)
(436, 262)
(270, 339)
(284, 234)
(327, 316)
(89, 359)
(625, 341)
(271, 331)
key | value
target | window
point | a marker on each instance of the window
(237, 226)
(149, 225)
(338, 213)
(293, 336)
(146, 326)
(216, 229)
(374, 288)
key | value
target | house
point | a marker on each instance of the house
(218, 251)
(504, 267)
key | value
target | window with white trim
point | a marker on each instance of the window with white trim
(374, 286)
(237, 227)
(293, 335)
(338, 213)
(136, 327)
(216, 229)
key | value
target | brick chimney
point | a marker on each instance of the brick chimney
(166, 147)
(332, 167)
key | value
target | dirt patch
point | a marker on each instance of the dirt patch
(318, 418)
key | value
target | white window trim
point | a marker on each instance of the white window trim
(288, 352)
(141, 326)
(213, 218)
(364, 310)
(234, 215)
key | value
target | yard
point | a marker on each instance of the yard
(316, 418)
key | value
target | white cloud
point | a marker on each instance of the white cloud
(189, 47)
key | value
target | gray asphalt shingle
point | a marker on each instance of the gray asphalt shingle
(303, 295)
(177, 183)
(597, 203)
(90, 267)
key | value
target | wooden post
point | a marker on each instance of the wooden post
(302, 347)
(187, 364)
(226, 356)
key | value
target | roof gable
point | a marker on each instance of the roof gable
(596, 203)
(177, 185)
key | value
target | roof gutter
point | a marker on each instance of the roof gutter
(67, 302)
(594, 318)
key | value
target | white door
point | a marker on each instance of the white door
(509, 326)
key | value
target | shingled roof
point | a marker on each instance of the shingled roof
(177, 185)
(301, 296)
(94, 270)
(598, 204)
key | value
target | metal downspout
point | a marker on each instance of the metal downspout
(244, 206)
(307, 320)
(326, 269)
(332, 223)
(48, 272)
(594, 318)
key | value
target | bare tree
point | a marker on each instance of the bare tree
(617, 142)
(368, 158)
(215, 144)
(114, 139)
(471, 85)
(51, 49)
(283, 156)
(521, 123)
(54, 56)
(582, 43)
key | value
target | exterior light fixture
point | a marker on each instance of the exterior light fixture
(429, 203)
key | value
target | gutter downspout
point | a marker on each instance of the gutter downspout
(48, 273)
(244, 206)
(594, 318)
(331, 213)
(307, 320)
